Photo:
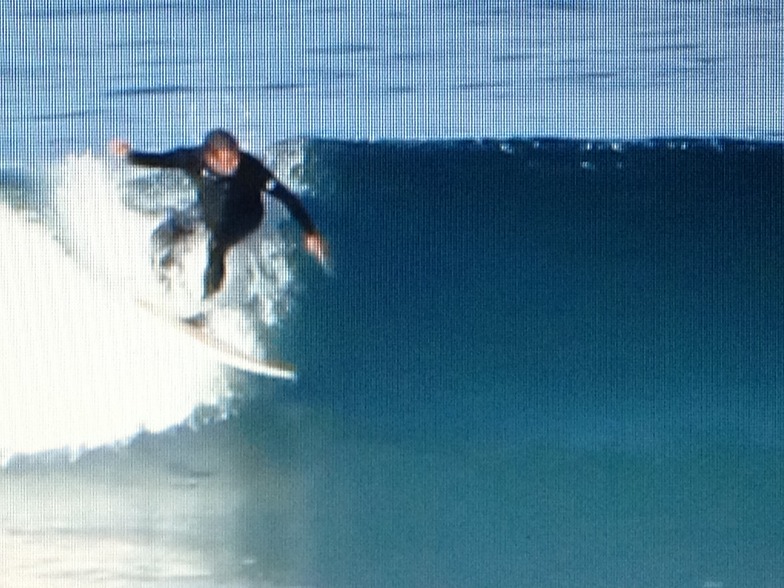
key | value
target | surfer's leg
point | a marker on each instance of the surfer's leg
(222, 239)
(216, 267)
(176, 225)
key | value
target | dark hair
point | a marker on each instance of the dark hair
(220, 139)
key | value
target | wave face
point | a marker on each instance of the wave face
(546, 284)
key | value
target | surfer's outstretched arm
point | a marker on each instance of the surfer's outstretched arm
(315, 244)
(183, 158)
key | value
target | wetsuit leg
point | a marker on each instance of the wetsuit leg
(176, 225)
(216, 266)
(222, 239)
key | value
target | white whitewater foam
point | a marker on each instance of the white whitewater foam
(81, 366)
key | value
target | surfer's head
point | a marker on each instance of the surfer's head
(221, 152)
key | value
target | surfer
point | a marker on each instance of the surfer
(231, 186)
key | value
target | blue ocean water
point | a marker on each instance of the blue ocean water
(621, 294)
(550, 351)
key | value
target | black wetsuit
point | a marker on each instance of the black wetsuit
(231, 207)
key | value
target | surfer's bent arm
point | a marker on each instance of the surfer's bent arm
(315, 244)
(293, 204)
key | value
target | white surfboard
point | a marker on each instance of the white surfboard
(221, 350)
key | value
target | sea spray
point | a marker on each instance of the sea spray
(82, 367)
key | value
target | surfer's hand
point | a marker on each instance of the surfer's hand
(119, 147)
(317, 246)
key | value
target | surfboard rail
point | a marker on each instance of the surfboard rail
(219, 349)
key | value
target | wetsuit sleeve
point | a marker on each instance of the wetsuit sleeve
(185, 159)
(292, 203)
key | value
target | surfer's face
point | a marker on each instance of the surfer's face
(223, 162)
